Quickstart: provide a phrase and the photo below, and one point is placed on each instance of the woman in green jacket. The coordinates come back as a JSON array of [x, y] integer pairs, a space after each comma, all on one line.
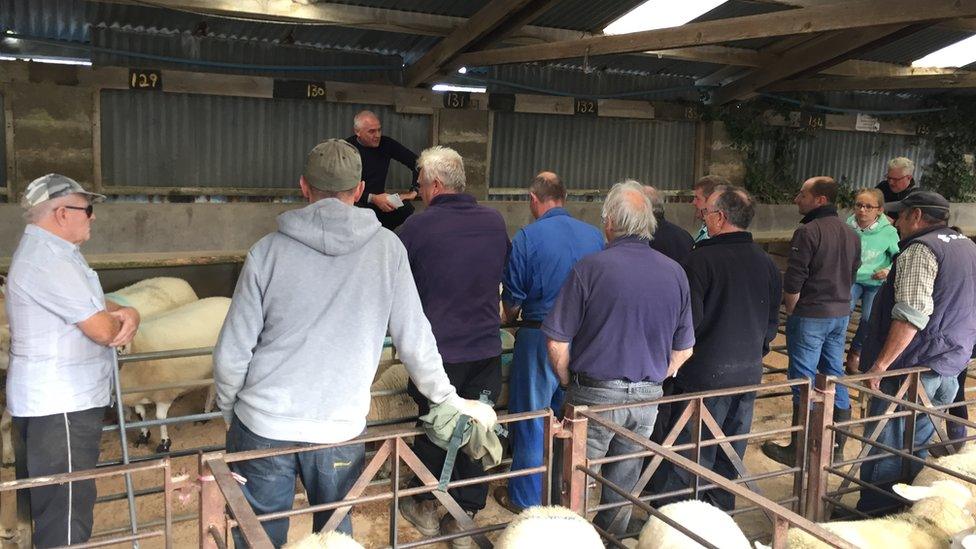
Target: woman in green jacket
[[879, 245]]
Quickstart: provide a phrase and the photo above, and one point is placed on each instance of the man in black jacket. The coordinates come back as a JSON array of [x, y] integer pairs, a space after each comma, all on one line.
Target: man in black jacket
[[669, 239], [376, 151], [735, 294]]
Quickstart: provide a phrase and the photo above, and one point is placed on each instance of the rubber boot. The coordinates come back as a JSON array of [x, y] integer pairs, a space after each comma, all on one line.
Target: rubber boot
[[840, 439], [784, 454]]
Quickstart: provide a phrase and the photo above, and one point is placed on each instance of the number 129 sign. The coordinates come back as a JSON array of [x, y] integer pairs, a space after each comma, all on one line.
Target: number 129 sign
[[145, 79]]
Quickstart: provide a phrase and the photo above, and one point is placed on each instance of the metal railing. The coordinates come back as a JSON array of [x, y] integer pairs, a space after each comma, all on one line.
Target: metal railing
[[219, 490], [910, 402]]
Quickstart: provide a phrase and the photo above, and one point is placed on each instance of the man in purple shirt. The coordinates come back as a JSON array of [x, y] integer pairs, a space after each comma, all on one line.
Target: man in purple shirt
[[621, 324], [457, 251]]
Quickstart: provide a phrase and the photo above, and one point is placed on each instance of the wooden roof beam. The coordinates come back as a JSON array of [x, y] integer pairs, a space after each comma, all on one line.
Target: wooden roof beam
[[848, 15]]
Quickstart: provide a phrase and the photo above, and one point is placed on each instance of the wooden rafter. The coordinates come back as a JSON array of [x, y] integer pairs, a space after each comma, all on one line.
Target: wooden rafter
[[943, 81], [491, 23], [820, 52], [848, 15]]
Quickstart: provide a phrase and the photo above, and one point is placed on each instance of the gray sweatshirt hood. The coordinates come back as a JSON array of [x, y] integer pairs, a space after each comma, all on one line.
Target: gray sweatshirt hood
[[330, 226]]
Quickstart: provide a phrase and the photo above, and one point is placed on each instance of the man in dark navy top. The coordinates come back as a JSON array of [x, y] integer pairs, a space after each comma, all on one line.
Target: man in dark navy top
[[621, 324], [669, 239], [376, 150], [457, 250]]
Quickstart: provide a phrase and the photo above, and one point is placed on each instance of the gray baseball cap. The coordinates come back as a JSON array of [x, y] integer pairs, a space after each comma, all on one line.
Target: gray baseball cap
[[929, 202], [333, 165], [54, 185]]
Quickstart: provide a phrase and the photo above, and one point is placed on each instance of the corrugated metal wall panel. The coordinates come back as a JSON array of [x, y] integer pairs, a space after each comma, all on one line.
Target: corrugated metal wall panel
[[175, 140], [859, 159], [3, 143], [591, 153]]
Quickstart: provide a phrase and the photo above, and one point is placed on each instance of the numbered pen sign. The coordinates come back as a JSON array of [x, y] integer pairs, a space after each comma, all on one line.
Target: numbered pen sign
[[145, 79], [298, 89], [585, 107], [457, 100]]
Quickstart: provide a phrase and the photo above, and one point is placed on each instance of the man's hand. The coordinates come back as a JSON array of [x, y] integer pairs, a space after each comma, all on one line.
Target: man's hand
[[408, 196], [129, 318], [789, 302], [878, 368], [880, 274], [382, 201]]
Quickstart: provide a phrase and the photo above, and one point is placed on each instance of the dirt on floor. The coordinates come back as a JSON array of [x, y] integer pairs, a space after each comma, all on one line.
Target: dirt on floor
[[370, 522]]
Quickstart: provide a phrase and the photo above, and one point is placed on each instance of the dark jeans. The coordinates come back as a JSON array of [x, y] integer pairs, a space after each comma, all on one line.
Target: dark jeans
[[886, 472], [327, 476], [865, 294], [733, 413], [601, 442], [471, 379], [61, 443], [955, 429]]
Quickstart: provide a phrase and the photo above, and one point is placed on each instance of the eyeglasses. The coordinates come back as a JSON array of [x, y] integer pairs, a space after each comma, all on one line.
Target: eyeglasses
[[89, 209], [869, 207], [706, 211]]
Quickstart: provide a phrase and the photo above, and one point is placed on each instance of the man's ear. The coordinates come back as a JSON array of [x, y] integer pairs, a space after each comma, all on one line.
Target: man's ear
[[359, 190], [303, 185]]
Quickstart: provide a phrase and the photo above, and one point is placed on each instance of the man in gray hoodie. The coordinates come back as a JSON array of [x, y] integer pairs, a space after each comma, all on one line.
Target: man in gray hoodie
[[302, 341]]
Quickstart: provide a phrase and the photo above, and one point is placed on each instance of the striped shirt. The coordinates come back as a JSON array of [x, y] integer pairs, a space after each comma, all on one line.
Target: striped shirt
[[54, 367]]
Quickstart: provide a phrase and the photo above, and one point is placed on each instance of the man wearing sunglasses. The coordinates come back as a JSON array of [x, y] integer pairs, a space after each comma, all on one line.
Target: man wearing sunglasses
[[899, 182], [62, 334]]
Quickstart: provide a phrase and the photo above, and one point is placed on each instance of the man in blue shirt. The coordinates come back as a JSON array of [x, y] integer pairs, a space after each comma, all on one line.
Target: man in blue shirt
[[543, 252], [621, 324]]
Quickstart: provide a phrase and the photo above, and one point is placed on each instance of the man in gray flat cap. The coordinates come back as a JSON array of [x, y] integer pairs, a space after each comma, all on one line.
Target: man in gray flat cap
[[303, 337], [62, 334]]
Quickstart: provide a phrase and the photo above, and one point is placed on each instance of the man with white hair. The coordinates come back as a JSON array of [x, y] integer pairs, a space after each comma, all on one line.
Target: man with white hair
[[62, 333], [621, 324], [301, 343], [376, 150], [457, 250], [900, 180]]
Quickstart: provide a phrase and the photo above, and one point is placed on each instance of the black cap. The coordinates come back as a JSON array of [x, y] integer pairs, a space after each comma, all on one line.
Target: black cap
[[931, 203]]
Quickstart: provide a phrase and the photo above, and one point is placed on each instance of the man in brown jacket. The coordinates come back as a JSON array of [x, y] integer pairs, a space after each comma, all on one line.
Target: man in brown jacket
[[824, 257]]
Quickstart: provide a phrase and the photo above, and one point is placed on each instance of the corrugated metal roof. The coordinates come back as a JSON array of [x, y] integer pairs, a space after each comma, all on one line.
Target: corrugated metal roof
[[585, 15], [591, 153], [174, 140], [915, 46], [858, 159], [53, 19]]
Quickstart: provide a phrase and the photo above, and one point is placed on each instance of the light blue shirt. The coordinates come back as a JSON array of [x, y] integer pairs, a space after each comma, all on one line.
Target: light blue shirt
[[54, 367], [542, 255]]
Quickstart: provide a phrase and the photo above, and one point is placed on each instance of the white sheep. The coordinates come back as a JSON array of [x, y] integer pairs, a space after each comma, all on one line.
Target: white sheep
[[553, 526], [705, 520], [940, 512], [195, 324], [963, 462], [325, 540], [153, 296]]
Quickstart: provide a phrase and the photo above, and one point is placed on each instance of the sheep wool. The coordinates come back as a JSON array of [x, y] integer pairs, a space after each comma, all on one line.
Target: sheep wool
[[963, 461], [705, 520], [325, 540], [153, 296], [552, 526]]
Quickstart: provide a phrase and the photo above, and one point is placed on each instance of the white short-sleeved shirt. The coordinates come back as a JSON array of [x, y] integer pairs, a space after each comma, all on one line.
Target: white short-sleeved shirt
[[54, 367]]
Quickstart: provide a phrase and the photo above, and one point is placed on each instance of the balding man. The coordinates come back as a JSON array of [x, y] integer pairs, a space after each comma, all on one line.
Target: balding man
[[62, 333], [376, 151], [669, 239], [899, 181], [620, 325], [543, 252], [825, 254]]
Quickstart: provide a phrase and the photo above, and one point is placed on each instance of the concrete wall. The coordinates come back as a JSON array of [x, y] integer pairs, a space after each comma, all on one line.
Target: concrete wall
[[467, 132], [131, 228]]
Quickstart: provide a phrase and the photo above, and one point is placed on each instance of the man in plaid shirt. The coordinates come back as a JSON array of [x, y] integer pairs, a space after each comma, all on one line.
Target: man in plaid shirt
[[922, 316]]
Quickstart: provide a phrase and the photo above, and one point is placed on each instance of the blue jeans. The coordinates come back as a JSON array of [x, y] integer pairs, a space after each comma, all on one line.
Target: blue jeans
[[327, 476], [866, 294], [601, 441], [532, 385], [817, 345], [888, 471], [733, 413]]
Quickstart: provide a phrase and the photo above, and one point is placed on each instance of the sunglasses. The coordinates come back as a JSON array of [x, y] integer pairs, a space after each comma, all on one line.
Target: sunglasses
[[89, 209]]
